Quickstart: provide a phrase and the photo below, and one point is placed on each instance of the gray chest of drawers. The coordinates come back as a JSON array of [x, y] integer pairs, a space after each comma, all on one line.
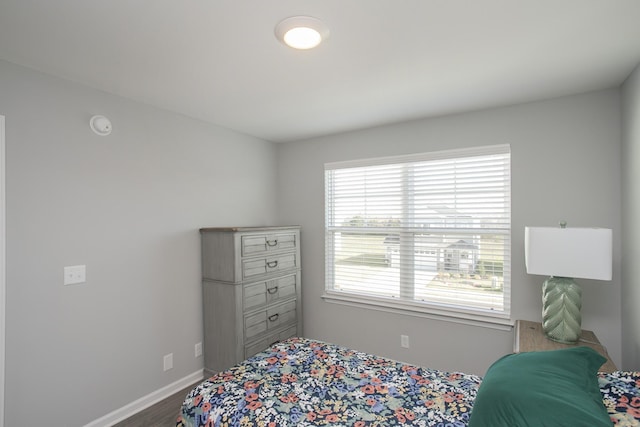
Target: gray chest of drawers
[[251, 291]]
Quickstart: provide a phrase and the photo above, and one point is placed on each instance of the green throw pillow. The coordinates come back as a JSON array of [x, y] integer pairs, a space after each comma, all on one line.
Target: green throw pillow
[[542, 388]]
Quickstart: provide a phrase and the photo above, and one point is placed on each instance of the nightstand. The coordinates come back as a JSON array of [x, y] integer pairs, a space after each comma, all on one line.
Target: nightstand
[[530, 337]]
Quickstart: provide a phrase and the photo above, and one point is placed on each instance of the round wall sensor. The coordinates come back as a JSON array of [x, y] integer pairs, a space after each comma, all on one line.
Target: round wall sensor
[[100, 125]]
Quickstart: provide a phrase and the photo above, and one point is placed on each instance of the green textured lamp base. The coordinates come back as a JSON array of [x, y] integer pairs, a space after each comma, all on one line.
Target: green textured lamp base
[[561, 304]]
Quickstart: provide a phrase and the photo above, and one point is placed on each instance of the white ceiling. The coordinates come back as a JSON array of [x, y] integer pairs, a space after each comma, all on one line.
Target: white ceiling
[[385, 60]]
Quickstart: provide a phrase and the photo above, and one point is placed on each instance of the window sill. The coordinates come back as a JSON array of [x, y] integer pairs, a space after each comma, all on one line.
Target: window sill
[[493, 321]]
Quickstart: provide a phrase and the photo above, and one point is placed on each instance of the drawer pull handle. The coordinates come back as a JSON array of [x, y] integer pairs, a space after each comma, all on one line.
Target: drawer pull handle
[[272, 290], [272, 242], [274, 317], [272, 264]]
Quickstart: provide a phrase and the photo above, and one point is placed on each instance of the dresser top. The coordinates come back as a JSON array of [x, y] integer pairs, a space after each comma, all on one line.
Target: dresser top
[[262, 228]]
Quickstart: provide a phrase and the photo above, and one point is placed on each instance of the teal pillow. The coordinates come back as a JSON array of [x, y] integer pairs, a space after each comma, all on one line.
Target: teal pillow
[[542, 388]]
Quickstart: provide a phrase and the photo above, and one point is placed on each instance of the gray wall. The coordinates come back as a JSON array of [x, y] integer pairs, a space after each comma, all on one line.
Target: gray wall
[[128, 206], [565, 165], [630, 225]]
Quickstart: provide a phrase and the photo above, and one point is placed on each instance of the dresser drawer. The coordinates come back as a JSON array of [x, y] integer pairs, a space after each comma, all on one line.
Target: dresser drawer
[[268, 341], [259, 294], [255, 244], [269, 319], [267, 265]]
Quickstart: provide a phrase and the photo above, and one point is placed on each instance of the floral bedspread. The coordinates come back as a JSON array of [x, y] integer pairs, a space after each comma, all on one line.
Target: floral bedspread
[[621, 396], [309, 383], [304, 382]]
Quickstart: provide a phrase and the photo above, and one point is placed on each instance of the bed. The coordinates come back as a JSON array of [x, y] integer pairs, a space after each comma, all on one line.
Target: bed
[[311, 383]]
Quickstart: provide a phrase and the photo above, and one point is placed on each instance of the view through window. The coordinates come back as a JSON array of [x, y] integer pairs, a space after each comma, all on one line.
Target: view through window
[[427, 230]]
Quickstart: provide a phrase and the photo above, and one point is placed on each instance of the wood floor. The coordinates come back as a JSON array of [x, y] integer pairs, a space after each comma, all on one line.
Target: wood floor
[[162, 414]]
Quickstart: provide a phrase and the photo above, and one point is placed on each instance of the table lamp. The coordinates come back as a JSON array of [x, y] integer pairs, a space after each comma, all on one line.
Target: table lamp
[[564, 254]]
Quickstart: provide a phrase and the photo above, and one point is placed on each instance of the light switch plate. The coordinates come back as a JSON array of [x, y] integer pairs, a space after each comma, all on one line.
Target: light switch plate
[[75, 274]]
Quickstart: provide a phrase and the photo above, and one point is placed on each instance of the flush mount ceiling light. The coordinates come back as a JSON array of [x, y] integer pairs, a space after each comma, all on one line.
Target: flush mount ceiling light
[[301, 32]]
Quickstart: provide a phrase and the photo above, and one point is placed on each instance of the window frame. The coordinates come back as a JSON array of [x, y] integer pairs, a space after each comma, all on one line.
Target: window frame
[[455, 313]]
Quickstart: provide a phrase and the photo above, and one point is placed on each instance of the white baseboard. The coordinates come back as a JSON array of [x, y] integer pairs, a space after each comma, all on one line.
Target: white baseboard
[[146, 401]]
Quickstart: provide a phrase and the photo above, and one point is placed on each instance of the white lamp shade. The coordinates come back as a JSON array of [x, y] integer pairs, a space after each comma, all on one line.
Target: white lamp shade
[[584, 253]]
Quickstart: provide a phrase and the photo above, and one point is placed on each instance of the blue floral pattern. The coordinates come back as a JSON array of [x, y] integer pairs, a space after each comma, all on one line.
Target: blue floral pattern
[[621, 396], [304, 382]]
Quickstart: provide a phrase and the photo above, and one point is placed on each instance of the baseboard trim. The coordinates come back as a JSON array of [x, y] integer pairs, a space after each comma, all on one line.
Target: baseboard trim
[[146, 401]]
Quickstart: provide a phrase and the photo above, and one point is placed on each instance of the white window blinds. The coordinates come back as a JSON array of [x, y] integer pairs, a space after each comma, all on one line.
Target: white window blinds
[[425, 231]]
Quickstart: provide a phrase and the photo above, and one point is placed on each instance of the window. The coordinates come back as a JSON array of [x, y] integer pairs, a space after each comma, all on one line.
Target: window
[[426, 233]]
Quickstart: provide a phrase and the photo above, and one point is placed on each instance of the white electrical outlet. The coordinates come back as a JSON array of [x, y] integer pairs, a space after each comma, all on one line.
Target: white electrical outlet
[[404, 341], [75, 274], [168, 361], [198, 349]]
